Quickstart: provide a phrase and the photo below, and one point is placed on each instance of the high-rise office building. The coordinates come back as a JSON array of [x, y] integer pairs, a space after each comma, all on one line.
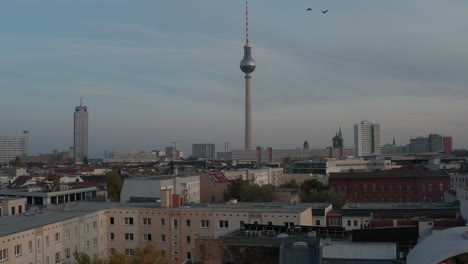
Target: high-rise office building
[[366, 139], [80, 132], [13, 147], [434, 143], [203, 151]]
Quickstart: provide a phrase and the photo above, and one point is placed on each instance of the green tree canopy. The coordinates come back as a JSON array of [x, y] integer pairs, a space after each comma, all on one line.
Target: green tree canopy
[[146, 255], [243, 191], [114, 185], [312, 185], [290, 184]]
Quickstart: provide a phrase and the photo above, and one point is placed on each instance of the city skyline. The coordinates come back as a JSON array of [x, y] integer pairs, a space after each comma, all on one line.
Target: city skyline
[[143, 80]]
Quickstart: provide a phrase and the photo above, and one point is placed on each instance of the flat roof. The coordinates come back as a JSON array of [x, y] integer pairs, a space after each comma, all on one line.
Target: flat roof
[[359, 251], [401, 206], [390, 174]]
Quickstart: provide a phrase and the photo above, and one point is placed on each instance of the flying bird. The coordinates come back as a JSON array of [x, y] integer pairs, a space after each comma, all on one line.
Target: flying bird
[[324, 11], [309, 9]]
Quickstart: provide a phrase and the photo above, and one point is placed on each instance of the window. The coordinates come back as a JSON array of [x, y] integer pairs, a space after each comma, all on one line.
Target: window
[[382, 187], [339, 188], [317, 222], [374, 187], [39, 245], [3, 254], [67, 253], [47, 260], [94, 224], [112, 251], [146, 221], [128, 252], [423, 187], [47, 241], [188, 239], [17, 250], [391, 187], [335, 221], [366, 188], [356, 194], [175, 223], [112, 236], [57, 257], [95, 242], [57, 237], [87, 228], [391, 199], [20, 209], [383, 199], [349, 222], [441, 187], [346, 188], [374, 199], [128, 236], [163, 221], [163, 238], [365, 199], [13, 210], [205, 223], [188, 222], [189, 255], [67, 234], [146, 237], [400, 187], [408, 187], [223, 224], [430, 187], [400, 199], [112, 220], [128, 220], [441, 198], [30, 246], [355, 222], [87, 244]]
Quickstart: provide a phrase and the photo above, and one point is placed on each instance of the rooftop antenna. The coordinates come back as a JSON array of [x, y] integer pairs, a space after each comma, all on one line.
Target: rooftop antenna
[[246, 22], [81, 101]]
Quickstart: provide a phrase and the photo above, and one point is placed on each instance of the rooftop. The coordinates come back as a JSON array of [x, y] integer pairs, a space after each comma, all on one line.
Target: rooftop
[[390, 174]]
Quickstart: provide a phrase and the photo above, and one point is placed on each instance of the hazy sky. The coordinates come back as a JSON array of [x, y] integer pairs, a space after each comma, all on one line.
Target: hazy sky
[[155, 71]]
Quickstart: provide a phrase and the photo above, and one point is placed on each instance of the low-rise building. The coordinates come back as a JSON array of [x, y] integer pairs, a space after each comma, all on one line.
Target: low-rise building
[[333, 165]]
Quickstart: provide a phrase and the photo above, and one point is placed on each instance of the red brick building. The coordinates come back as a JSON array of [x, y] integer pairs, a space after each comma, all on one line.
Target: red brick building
[[392, 186]]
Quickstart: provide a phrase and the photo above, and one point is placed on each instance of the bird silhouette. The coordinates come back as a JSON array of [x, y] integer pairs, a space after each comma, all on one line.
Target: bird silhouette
[[324, 11], [309, 9]]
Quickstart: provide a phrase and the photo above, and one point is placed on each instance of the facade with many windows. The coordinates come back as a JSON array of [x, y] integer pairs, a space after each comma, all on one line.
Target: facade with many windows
[[101, 229], [392, 186]]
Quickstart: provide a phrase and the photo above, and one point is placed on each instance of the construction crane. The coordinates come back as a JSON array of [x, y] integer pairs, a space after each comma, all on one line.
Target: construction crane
[[174, 151]]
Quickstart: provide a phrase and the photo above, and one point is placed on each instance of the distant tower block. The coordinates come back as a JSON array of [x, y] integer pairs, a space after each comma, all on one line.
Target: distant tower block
[[80, 132], [247, 66]]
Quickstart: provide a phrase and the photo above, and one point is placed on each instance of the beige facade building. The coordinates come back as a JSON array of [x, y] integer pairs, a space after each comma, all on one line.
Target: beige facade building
[[101, 229]]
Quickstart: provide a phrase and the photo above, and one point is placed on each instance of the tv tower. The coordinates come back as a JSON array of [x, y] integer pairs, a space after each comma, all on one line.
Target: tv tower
[[247, 66]]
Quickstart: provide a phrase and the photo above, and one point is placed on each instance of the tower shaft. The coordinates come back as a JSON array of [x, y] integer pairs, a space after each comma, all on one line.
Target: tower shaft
[[248, 113]]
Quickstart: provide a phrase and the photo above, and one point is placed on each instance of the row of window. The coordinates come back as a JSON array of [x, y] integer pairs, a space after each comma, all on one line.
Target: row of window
[[131, 252], [400, 199], [401, 187], [175, 222], [18, 252], [149, 237]]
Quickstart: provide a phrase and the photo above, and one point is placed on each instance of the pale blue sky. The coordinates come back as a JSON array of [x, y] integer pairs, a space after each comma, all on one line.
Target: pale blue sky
[[155, 71]]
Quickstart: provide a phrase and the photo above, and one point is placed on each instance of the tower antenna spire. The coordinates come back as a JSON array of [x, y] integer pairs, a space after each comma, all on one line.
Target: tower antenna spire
[[246, 22], [81, 101]]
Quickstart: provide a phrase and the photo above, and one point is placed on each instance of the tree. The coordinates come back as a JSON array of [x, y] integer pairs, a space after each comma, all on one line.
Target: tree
[[114, 185], [290, 184], [234, 189], [312, 185], [17, 162], [146, 255], [85, 161], [337, 199], [245, 192]]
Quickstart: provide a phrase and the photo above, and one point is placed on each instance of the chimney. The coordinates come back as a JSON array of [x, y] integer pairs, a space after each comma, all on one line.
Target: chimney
[[177, 200], [166, 200]]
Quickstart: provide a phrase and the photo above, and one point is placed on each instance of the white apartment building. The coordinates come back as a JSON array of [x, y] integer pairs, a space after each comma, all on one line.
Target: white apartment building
[[12, 147], [101, 229], [333, 165], [260, 176], [366, 139], [144, 187]]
